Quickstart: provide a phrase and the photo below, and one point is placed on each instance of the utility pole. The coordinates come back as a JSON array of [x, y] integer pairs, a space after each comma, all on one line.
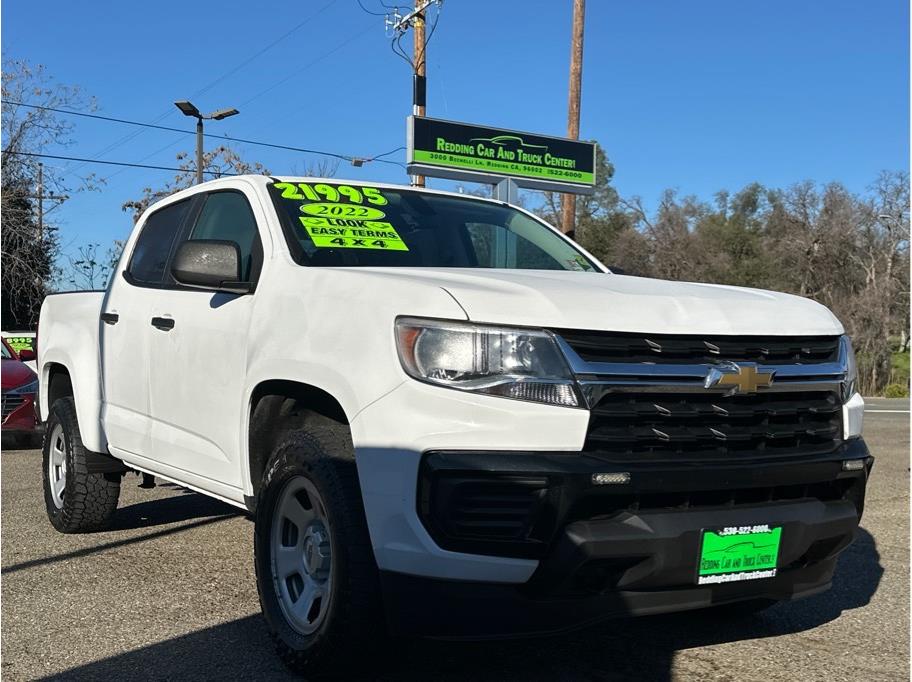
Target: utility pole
[[568, 205], [40, 202], [399, 24], [40, 196], [419, 90]]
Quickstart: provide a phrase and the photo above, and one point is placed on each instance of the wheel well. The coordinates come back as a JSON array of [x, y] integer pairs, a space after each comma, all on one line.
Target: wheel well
[[278, 407], [59, 384]]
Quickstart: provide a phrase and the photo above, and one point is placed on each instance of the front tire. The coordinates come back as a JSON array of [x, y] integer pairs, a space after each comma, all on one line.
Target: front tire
[[77, 501], [316, 574]]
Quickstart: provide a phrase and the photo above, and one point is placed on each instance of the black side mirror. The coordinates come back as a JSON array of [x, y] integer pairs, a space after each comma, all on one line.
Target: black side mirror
[[617, 271], [211, 264]]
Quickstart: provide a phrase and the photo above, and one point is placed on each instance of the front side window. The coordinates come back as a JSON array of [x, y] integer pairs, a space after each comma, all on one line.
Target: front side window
[[227, 216], [153, 246], [354, 225]]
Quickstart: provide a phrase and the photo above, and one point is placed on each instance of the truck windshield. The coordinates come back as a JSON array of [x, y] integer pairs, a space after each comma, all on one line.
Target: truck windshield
[[330, 224]]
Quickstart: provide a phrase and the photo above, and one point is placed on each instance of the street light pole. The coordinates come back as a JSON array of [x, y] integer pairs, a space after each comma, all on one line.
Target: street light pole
[[188, 109], [199, 150]]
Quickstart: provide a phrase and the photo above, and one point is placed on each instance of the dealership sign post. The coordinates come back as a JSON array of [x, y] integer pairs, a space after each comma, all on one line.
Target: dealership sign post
[[505, 158]]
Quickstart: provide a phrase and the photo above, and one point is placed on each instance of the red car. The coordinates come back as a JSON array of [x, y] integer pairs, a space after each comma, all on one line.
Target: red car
[[19, 385]]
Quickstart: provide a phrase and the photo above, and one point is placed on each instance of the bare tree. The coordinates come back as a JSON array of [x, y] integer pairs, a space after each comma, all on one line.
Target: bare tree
[[28, 248], [325, 167], [89, 269], [216, 163], [849, 252]]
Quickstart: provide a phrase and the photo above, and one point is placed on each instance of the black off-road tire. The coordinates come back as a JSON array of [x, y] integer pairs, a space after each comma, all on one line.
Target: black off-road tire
[[352, 630], [89, 500]]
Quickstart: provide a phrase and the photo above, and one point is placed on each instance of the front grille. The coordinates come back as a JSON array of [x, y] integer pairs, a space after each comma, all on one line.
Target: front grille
[[676, 426], [594, 346], [11, 403]]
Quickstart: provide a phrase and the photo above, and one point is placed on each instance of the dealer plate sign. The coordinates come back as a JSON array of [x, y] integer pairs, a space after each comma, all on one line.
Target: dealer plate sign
[[738, 553], [482, 154]]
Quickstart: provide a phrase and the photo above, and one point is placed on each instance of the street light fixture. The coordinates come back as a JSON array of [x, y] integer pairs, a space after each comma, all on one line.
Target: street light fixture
[[223, 113], [188, 109]]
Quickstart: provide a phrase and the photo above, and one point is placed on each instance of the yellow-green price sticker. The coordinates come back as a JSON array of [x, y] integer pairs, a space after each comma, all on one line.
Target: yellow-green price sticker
[[368, 234], [330, 210], [322, 191], [19, 343]]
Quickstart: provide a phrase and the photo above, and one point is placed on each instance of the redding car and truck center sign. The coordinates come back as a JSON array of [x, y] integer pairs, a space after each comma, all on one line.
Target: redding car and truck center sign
[[461, 151]]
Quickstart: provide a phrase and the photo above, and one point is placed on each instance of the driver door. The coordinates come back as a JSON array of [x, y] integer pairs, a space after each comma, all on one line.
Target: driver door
[[199, 356]]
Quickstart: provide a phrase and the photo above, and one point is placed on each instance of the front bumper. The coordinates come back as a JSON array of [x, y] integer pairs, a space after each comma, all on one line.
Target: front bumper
[[19, 413], [615, 550]]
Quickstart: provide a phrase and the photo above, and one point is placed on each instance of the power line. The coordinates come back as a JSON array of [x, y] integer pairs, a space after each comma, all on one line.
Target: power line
[[399, 51], [144, 158], [379, 156], [262, 51], [131, 136], [226, 138], [127, 164], [376, 14], [111, 119], [111, 163], [291, 75]]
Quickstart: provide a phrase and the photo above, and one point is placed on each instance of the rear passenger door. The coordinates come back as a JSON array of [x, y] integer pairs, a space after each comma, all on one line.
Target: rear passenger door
[[126, 331], [199, 359]]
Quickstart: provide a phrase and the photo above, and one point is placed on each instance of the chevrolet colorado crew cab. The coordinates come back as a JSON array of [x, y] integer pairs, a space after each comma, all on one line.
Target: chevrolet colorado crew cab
[[450, 420]]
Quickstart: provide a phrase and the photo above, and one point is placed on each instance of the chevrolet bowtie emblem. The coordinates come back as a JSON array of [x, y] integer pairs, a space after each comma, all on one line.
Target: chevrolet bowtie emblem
[[739, 378]]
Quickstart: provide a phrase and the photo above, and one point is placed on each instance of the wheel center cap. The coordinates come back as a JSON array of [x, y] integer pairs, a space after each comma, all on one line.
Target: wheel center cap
[[316, 553]]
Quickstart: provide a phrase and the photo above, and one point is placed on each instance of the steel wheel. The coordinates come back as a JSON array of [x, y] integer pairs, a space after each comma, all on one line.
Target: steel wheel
[[301, 555], [57, 465]]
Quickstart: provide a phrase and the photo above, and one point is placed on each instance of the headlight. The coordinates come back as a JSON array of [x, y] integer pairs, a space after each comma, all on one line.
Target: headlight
[[511, 363], [853, 404], [847, 355], [31, 387]]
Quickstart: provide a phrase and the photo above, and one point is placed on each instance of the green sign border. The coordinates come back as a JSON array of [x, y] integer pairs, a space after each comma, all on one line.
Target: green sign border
[[495, 167]]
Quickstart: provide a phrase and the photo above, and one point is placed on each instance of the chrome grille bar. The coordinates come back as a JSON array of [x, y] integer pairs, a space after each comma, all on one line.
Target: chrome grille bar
[[599, 378]]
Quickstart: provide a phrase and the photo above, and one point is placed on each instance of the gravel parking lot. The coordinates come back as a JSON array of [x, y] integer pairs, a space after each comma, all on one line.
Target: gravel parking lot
[[169, 593]]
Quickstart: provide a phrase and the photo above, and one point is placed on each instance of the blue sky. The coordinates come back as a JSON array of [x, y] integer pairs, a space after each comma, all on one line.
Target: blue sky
[[697, 96]]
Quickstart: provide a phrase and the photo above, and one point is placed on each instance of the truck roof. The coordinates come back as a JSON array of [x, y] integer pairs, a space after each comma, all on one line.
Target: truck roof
[[263, 180]]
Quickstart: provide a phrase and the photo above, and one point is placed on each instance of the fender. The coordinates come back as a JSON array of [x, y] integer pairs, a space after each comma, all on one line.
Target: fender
[[319, 376], [79, 355]]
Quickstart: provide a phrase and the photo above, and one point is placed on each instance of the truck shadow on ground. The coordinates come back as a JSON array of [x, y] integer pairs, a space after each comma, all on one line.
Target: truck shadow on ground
[[186, 506], [641, 649], [198, 510]]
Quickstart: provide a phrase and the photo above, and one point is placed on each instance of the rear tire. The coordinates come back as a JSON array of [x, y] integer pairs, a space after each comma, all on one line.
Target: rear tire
[[77, 501], [315, 568]]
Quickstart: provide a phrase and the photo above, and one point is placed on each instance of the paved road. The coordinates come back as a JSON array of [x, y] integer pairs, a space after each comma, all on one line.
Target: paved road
[[169, 594]]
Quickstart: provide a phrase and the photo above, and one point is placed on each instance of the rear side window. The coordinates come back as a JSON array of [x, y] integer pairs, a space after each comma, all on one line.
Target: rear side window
[[227, 216], [153, 247]]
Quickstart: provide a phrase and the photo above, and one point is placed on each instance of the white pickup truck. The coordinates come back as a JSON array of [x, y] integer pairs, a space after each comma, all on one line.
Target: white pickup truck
[[449, 419]]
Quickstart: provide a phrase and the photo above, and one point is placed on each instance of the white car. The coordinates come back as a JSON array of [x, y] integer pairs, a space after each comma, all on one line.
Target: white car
[[448, 418]]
